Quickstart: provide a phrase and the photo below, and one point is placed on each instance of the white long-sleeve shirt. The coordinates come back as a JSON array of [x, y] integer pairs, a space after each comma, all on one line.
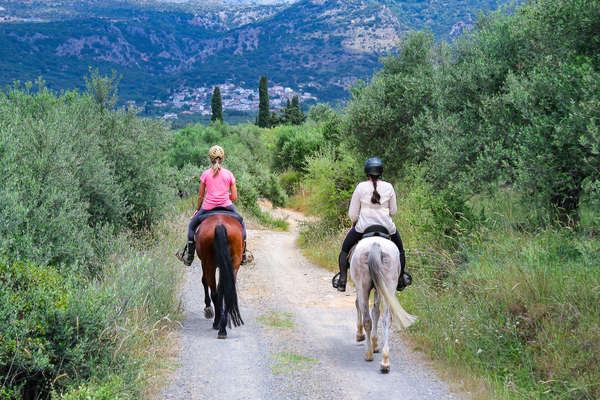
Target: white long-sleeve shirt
[[365, 213]]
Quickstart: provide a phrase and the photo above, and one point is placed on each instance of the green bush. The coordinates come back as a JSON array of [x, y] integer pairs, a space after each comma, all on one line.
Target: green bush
[[330, 183], [186, 180], [50, 329], [72, 173], [112, 389], [290, 180], [379, 117], [293, 144], [62, 332]]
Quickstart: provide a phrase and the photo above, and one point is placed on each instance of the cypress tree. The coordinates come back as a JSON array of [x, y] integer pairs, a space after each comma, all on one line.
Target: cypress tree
[[296, 117], [216, 106], [262, 119]]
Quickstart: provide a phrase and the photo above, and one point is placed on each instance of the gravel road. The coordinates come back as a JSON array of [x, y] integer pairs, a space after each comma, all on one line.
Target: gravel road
[[298, 341]]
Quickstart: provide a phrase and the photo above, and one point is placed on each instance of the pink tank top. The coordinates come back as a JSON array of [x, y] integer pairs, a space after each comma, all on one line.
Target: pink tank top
[[217, 188]]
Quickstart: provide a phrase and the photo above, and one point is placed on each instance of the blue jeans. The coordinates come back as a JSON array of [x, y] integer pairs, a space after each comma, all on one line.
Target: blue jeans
[[196, 221]]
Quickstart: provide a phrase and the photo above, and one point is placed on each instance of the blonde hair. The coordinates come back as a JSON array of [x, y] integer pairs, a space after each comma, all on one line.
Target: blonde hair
[[216, 165], [216, 155]]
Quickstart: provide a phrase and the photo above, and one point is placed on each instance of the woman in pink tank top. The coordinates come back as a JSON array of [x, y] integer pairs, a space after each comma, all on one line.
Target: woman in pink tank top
[[217, 189]]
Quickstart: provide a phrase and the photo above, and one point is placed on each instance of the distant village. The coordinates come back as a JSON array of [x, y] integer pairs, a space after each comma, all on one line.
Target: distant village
[[189, 101]]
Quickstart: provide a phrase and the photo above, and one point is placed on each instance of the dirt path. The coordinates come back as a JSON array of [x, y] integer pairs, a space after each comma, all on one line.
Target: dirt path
[[298, 341]]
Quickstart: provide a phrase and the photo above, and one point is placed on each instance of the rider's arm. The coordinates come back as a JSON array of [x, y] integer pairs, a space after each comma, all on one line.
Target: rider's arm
[[201, 195], [233, 196], [354, 210], [393, 204]]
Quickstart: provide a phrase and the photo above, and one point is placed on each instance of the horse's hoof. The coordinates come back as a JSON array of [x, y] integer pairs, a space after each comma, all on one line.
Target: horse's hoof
[[360, 338], [369, 357], [375, 344], [222, 336], [208, 313], [385, 369]]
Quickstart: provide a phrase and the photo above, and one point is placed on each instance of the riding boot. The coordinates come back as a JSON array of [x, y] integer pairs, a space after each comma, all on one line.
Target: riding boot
[[343, 263], [187, 255], [404, 279]]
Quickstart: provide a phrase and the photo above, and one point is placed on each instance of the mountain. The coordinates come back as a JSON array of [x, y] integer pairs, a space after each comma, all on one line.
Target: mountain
[[321, 45]]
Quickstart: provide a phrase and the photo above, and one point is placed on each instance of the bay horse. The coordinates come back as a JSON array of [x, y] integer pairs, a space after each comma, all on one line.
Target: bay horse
[[375, 263], [219, 244]]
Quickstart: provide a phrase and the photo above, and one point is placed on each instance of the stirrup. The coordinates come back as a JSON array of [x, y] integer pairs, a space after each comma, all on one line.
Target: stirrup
[[335, 282], [404, 281], [181, 254]]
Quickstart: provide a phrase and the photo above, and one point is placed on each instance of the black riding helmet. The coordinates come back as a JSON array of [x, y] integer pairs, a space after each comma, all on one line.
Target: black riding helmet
[[374, 166]]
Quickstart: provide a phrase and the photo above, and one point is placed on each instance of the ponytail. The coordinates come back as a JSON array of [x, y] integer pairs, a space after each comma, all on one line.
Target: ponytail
[[216, 166], [376, 197]]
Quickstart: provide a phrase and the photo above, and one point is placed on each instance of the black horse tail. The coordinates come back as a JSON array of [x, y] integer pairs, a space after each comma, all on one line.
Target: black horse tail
[[226, 288]]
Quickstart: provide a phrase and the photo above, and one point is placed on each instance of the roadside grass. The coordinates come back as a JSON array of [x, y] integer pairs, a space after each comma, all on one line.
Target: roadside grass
[[269, 221], [285, 363], [513, 300], [300, 201], [143, 280], [278, 320], [321, 244]]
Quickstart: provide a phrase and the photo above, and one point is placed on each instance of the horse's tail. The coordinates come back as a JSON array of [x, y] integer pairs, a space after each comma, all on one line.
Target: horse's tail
[[374, 262], [226, 278]]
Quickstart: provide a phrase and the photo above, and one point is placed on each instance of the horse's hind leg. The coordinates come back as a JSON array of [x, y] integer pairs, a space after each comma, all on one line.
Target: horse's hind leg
[[360, 334], [222, 320], [375, 313], [208, 311], [363, 302], [218, 307], [387, 322]]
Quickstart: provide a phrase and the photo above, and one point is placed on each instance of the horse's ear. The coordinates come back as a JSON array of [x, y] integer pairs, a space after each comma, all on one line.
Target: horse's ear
[[364, 257]]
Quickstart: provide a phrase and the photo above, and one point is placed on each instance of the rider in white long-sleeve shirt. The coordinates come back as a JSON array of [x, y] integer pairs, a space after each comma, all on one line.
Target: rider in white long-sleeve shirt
[[373, 203]]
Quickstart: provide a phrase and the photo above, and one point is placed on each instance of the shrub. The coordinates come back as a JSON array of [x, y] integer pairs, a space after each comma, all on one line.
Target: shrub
[[290, 180], [72, 173], [63, 332], [331, 183], [50, 329], [294, 144]]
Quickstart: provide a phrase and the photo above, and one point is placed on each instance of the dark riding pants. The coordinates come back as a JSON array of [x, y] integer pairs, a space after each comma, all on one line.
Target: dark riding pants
[[196, 221], [353, 237]]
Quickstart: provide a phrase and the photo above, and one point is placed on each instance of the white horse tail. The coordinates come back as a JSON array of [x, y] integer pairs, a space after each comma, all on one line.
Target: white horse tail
[[374, 262]]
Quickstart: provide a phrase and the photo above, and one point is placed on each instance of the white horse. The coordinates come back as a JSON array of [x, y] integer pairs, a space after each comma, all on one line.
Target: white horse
[[376, 262]]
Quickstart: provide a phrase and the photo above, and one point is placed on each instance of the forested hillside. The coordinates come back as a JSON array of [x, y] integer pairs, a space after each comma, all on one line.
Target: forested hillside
[[323, 46]]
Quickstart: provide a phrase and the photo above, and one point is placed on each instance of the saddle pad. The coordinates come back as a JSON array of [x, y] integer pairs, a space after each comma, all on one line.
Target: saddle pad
[[219, 211]]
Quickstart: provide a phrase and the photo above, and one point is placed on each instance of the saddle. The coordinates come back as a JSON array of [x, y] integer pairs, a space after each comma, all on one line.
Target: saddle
[[219, 211], [377, 230], [373, 230]]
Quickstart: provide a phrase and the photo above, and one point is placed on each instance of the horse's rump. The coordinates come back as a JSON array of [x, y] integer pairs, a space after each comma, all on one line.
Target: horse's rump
[[205, 237], [219, 244], [379, 259]]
